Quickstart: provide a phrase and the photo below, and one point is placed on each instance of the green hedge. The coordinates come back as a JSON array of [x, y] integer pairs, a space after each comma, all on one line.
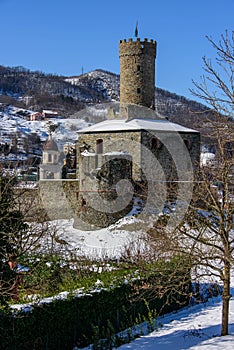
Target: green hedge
[[82, 320]]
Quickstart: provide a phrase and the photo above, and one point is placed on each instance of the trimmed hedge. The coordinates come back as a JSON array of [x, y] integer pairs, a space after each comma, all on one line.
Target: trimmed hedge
[[82, 320]]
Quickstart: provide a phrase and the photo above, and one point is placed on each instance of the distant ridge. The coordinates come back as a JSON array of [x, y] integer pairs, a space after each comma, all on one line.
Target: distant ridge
[[68, 95]]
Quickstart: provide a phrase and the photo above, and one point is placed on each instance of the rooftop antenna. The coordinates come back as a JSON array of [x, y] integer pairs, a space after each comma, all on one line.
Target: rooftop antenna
[[82, 70], [136, 30]]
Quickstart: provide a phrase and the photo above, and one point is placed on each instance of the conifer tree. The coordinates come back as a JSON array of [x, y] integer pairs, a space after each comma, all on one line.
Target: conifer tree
[[11, 219]]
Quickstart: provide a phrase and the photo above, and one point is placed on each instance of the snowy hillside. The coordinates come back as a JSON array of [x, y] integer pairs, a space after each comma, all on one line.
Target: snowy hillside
[[15, 120], [66, 131], [21, 138], [106, 83], [68, 95]]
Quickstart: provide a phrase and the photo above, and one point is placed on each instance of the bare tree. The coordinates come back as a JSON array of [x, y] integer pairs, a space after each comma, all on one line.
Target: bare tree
[[209, 230], [206, 233], [217, 83]]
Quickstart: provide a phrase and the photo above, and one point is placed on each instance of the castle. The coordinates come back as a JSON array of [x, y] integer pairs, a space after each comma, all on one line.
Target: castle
[[134, 150]]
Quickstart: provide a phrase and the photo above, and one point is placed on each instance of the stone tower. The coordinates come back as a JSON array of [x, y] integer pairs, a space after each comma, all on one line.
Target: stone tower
[[137, 72]]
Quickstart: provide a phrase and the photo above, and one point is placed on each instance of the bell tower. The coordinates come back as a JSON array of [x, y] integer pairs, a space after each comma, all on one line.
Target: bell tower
[[137, 72], [50, 167]]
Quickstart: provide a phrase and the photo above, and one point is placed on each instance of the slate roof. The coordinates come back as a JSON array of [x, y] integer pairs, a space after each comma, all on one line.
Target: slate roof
[[50, 145]]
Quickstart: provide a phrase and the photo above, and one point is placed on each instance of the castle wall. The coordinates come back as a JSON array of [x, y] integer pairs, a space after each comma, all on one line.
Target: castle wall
[[103, 198], [58, 198], [50, 200], [172, 150], [100, 202], [129, 142], [138, 145], [169, 170]]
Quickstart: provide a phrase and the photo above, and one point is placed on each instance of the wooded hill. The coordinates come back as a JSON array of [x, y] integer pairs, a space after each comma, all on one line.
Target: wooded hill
[[37, 91]]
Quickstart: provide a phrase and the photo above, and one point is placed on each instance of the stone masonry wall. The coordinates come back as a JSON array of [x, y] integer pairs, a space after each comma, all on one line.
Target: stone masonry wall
[[50, 200], [129, 142], [59, 198], [168, 150], [137, 72]]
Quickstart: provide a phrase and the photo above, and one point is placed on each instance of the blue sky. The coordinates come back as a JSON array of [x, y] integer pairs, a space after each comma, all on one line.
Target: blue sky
[[62, 36]]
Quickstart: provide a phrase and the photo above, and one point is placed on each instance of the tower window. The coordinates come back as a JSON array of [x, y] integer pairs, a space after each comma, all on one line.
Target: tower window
[[138, 90], [138, 68], [83, 202], [49, 158], [187, 144], [155, 144], [99, 146]]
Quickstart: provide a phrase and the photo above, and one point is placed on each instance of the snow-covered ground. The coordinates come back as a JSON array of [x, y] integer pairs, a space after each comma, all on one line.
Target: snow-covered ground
[[196, 327], [110, 242]]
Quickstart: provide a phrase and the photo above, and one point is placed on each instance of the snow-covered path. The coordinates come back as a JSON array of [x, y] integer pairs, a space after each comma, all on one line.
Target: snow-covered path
[[193, 328]]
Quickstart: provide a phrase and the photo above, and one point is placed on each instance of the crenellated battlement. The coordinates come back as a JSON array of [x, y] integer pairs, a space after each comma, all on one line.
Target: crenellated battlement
[[131, 40], [135, 47]]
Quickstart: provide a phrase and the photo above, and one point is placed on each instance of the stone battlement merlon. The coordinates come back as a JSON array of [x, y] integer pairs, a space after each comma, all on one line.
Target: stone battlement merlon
[[131, 40], [131, 47]]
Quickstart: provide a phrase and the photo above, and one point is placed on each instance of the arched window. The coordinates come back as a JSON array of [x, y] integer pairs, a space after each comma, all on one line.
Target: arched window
[[99, 146]]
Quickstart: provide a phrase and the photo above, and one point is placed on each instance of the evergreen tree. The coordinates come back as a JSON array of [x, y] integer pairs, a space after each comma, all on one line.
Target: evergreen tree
[[12, 225]]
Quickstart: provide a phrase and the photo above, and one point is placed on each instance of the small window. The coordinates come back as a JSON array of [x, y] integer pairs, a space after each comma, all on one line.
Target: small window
[[138, 68], [83, 202], [99, 146], [83, 205], [49, 158], [187, 144], [138, 90], [155, 144], [49, 175]]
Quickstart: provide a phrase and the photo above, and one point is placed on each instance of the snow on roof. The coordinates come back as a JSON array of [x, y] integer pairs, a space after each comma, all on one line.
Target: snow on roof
[[49, 111], [116, 153], [135, 124]]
